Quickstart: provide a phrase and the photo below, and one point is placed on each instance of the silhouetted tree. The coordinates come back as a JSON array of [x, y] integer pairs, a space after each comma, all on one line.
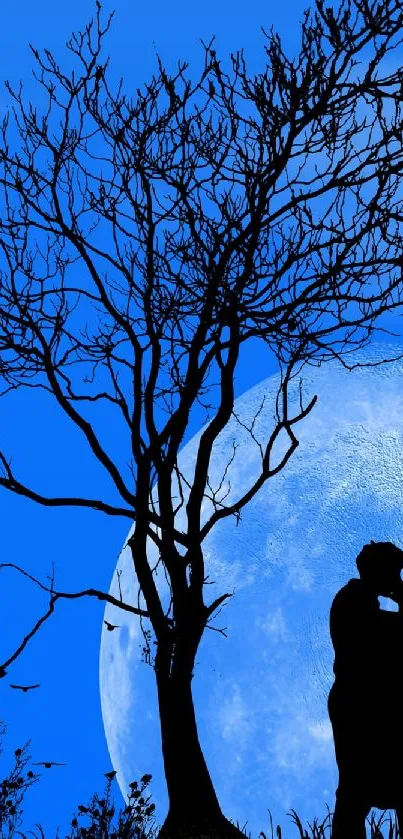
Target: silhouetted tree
[[306, 258]]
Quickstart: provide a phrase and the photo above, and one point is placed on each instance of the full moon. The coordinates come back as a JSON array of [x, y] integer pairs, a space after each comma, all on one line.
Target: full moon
[[260, 693]]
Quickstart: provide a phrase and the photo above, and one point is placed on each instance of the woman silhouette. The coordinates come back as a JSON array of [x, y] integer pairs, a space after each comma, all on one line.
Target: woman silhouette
[[365, 699]]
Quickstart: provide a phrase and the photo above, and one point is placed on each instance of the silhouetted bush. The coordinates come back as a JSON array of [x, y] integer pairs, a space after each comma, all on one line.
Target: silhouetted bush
[[96, 820], [13, 789], [100, 820]]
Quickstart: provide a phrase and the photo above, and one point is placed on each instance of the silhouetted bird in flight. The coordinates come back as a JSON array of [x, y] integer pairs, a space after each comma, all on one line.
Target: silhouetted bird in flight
[[24, 687], [110, 775], [48, 763], [110, 626]]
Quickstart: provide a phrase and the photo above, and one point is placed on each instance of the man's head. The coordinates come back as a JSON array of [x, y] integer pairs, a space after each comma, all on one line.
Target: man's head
[[379, 565]]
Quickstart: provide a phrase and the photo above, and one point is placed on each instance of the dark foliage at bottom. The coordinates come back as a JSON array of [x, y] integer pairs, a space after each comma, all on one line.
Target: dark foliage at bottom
[[99, 819]]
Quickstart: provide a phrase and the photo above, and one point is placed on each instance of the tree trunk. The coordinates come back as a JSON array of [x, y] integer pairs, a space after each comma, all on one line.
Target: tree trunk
[[194, 810]]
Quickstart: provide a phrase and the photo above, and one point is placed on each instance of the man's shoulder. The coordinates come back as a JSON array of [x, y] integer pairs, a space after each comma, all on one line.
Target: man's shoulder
[[353, 592], [353, 588]]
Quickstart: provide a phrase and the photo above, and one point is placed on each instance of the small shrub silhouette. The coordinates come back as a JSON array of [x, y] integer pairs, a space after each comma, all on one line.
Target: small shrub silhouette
[[100, 820]]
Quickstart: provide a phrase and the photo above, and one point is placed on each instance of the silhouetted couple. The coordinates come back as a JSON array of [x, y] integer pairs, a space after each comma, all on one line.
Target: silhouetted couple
[[365, 701]]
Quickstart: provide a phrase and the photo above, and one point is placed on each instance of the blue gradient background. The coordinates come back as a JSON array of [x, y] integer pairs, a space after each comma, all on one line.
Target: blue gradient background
[[63, 717]]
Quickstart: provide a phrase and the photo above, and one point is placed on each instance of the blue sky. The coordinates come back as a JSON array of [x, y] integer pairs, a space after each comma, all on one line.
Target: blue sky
[[63, 717]]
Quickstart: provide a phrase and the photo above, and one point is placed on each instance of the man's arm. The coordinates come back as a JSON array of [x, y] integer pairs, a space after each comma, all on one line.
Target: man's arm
[[397, 596], [393, 619]]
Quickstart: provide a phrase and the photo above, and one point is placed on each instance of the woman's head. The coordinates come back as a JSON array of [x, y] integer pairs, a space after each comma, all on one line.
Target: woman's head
[[379, 565]]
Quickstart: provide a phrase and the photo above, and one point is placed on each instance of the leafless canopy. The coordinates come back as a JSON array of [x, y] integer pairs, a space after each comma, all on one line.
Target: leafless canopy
[[145, 240]]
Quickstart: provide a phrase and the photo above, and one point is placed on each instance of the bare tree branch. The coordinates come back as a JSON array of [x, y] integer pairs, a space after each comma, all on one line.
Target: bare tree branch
[[144, 240], [59, 595]]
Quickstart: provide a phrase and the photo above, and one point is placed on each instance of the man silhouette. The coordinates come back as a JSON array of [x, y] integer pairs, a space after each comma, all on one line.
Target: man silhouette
[[365, 700]]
